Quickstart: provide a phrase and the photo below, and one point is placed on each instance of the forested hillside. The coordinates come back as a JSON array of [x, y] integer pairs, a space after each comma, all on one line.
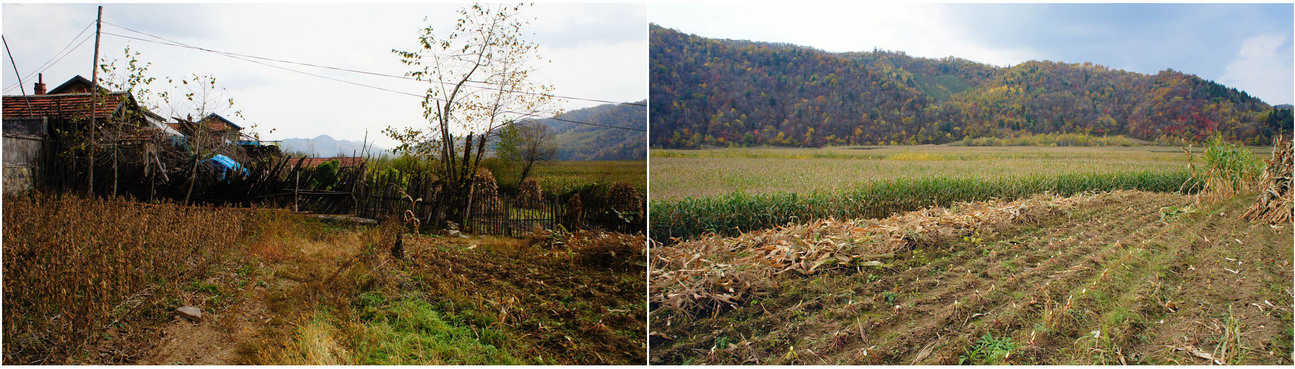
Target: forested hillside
[[741, 93], [589, 142]]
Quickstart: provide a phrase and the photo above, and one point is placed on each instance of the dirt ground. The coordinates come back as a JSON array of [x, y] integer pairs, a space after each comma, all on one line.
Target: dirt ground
[[1130, 278], [247, 301], [217, 339]]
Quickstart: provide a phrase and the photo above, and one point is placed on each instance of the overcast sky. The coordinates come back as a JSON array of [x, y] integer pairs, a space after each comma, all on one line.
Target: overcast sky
[[596, 51], [1247, 46]]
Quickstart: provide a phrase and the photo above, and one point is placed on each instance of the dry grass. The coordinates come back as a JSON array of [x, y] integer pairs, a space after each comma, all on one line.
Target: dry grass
[[616, 251]]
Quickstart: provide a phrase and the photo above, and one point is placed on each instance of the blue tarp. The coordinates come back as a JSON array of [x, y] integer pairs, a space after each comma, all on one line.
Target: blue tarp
[[224, 164]]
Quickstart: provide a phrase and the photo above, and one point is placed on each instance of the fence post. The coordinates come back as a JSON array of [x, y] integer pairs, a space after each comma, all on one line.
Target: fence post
[[553, 212]]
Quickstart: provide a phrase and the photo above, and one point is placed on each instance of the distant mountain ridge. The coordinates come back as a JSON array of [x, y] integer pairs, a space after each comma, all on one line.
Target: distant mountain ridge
[[741, 93], [575, 141], [326, 146]]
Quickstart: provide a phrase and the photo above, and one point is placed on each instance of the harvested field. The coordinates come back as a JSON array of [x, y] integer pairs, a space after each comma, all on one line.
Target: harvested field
[[1115, 278], [92, 281], [553, 299]]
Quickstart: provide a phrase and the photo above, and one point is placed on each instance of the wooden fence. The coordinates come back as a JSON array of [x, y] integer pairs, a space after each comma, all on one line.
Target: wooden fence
[[168, 172], [382, 196], [505, 215]]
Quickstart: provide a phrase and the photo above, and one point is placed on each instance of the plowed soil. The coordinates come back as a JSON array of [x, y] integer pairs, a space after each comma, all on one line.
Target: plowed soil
[[1131, 277]]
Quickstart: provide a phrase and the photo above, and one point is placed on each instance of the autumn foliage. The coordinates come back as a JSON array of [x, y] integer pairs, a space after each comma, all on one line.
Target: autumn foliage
[[710, 92]]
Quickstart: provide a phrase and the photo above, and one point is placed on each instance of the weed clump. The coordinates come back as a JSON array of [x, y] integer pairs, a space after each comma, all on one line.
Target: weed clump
[[989, 350], [1229, 170]]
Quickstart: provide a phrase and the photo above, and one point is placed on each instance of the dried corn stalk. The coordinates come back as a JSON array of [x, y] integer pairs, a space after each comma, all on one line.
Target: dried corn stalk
[[709, 274], [1274, 203]]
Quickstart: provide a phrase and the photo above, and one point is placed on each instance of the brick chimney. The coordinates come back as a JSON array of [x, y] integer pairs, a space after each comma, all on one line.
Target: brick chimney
[[40, 85]]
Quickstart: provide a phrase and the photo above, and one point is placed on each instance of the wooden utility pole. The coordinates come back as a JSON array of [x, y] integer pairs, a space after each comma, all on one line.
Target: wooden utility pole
[[24, 90], [94, 100]]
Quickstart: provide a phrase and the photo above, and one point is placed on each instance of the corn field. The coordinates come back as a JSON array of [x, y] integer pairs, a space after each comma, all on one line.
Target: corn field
[[738, 212], [73, 267]]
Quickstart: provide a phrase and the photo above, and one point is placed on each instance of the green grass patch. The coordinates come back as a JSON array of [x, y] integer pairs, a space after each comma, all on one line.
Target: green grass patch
[[412, 331], [739, 212], [401, 332]]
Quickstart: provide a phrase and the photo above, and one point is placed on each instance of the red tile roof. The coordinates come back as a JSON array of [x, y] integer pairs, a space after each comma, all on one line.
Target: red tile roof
[[61, 106], [219, 123], [343, 162]]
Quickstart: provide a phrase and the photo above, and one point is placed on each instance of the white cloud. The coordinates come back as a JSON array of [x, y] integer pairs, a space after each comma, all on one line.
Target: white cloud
[[1262, 70], [925, 30]]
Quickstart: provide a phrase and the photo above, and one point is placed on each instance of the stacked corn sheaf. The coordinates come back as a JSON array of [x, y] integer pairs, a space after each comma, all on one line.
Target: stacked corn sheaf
[[1274, 203]]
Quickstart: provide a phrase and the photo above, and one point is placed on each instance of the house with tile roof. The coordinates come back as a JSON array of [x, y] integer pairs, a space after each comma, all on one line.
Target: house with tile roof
[[217, 128], [69, 101], [56, 121]]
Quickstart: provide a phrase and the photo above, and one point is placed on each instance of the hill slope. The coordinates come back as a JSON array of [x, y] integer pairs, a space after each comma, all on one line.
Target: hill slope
[[588, 142], [726, 92]]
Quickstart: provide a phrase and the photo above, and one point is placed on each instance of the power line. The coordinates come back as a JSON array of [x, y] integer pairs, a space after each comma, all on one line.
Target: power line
[[342, 69], [15, 71], [56, 58], [248, 59], [577, 122]]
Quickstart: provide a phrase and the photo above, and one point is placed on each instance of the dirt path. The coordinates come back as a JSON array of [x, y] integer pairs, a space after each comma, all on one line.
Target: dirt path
[[216, 340], [261, 295], [1127, 279]]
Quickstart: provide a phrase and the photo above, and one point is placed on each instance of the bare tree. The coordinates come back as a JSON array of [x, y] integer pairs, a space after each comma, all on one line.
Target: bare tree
[[202, 98], [134, 80], [478, 79], [527, 144]]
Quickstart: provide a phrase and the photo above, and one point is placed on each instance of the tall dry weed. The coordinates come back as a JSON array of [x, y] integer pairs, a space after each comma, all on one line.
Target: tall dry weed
[[75, 266]]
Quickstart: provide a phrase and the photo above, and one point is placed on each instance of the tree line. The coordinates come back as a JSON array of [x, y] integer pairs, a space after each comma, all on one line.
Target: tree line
[[710, 92]]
